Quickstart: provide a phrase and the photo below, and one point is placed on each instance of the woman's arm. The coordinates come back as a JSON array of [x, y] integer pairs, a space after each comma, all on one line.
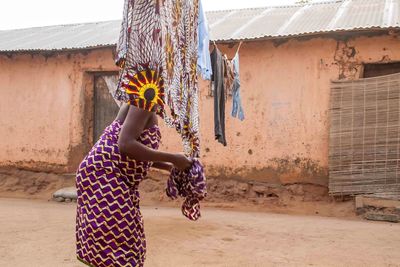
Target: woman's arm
[[165, 166], [134, 124]]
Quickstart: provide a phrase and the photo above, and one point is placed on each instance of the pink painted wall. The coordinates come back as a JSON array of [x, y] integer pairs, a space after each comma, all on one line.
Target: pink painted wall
[[42, 106], [45, 106]]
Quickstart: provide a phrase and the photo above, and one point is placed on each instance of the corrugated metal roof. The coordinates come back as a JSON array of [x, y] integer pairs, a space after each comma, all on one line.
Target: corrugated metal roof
[[61, 37], [323, 17], [228, 25]]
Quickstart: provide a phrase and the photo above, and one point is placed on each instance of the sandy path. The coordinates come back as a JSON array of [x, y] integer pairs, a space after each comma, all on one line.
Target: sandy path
[[39, 233]]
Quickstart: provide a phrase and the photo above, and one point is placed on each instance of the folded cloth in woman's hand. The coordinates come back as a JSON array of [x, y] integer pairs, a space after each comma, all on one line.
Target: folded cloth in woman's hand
[[190, 184]]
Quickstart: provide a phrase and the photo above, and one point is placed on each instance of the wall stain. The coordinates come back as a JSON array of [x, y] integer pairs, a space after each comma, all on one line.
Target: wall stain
[[35, 166], [75, 156], [345, 59], [385, 59], [282, 171]]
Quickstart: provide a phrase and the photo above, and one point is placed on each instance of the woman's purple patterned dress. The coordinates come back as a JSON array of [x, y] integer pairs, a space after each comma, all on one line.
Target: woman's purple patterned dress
[[109, 225]]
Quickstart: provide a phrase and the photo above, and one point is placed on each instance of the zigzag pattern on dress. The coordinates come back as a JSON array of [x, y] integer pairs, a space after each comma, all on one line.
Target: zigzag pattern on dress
[[109, 225]]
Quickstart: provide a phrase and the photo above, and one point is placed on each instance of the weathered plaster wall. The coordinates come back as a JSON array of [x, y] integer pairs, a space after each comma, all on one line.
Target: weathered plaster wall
[[286, 94], [43, 104], [46, 108]]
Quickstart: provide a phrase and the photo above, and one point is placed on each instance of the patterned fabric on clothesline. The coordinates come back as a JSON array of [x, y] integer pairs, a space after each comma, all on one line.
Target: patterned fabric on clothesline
[[157, 53]]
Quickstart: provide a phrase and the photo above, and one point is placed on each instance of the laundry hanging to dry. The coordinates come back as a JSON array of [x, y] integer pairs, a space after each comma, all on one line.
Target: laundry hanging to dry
[[225, 82]]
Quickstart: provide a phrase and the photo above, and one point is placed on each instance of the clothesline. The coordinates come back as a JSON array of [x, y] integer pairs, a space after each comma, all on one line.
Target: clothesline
[[225, 81], [237, 50], [224, 77]]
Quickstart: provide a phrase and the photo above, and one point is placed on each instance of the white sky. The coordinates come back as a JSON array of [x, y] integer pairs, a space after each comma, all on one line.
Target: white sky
[[15, 14]]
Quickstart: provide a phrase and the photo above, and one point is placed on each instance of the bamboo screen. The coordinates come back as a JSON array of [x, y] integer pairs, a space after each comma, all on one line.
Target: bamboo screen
[[365, 137]]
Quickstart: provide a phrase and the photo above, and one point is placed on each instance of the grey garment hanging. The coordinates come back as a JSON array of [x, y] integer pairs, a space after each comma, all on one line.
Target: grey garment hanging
[[237, 108], [217, 64]]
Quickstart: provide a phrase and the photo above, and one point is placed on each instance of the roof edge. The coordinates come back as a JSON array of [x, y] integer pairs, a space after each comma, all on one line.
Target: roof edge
[[57, 50], [361, 32]]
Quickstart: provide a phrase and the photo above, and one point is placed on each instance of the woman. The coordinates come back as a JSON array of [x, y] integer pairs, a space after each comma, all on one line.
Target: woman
[[109, 223], [157, 53]]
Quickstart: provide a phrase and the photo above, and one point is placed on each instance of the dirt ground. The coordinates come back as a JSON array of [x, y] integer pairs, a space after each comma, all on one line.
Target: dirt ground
[[243, 224], [226, 194], [41, 233]]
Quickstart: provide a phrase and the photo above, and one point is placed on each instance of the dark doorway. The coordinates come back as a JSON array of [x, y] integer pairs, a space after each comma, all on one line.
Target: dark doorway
[[105, 107]]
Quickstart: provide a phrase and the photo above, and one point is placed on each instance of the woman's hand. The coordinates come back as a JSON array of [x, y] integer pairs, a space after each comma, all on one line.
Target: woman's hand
[[181, 162]]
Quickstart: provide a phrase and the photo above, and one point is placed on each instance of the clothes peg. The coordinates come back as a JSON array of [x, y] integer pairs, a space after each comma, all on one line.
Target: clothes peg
[[240, 45]]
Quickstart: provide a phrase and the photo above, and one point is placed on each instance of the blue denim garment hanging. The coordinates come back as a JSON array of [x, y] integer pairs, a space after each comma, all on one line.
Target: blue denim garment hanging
[[237, 109]]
